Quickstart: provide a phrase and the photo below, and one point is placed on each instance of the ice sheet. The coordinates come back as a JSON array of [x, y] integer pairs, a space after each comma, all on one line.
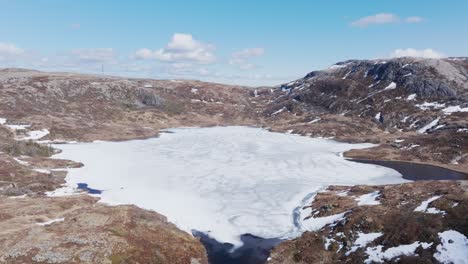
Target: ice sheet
[[225, 181]]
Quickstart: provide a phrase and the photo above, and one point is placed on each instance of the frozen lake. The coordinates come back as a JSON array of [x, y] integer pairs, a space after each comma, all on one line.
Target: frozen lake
[[223, 181]]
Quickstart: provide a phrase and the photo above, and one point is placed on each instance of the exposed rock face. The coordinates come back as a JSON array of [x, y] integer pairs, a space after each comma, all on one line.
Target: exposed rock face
[[149, 98], [421, 103], [396, 217], [393, 92]]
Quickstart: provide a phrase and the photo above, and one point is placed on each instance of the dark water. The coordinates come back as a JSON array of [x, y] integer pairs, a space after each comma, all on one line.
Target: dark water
[[417, 172], [256, 250], [84, 186]]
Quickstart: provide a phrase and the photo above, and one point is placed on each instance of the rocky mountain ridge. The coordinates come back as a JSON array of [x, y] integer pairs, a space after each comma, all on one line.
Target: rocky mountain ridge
[[405, 93]]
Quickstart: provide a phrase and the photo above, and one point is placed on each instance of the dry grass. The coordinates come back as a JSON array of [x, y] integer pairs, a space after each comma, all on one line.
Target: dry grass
[[28, 148]]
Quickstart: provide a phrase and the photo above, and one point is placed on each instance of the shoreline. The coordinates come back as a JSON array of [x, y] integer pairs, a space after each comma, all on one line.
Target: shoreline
[[222, 246], [439, 165]]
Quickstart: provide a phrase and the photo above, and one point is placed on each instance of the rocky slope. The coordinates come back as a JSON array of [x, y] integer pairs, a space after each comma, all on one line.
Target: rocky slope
[[75, 229], [407, 223], [89, 107], [418, 107]]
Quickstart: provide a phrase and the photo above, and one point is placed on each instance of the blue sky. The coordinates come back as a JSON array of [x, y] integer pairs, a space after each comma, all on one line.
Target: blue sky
[[242, 42]]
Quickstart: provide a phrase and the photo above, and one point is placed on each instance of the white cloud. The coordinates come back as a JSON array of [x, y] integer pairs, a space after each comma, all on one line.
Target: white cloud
[[241, 58], [8, 50], [248, 53], [96, 55], [414, 19], [424, 53], [75, 26], [385, 18], [181, 48], [382, 18]]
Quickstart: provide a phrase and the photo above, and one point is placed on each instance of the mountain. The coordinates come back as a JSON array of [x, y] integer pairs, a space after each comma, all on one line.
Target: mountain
[[417, 109], [404, 93]]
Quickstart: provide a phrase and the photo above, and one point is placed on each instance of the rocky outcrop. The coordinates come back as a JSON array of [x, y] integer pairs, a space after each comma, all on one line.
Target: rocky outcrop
[[75, 229], [392, 224], [404, 93]]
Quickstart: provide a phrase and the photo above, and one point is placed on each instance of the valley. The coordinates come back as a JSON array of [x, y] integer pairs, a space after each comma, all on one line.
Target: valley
[[58, 130]]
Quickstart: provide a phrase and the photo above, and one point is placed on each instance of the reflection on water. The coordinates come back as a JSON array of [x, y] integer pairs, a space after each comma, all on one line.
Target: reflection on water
[[255, 250], [84, 187]]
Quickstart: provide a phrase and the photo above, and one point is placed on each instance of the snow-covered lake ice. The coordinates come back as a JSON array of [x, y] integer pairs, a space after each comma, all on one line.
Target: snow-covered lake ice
[[224, 181]]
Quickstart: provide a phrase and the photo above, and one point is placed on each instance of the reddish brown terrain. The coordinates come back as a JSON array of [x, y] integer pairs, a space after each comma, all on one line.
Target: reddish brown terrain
[[394, 217], [420, 118]]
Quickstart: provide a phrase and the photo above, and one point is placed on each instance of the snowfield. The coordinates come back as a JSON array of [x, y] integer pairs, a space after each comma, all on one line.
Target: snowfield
[[224, 181]]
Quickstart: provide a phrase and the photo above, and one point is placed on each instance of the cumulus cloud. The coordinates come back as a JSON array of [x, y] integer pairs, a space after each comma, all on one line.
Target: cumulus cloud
[[95, 55], [384, 18], [8, 50], [241, 58], [181, 48], [424, 53]]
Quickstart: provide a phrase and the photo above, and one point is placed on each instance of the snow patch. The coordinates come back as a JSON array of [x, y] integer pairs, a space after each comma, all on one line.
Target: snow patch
[[434, 210], [378, 116], [317, 223], [429, 126], [404, 119], [411, 97], [453, 249], [412, 146], [279, 111], [362, 241], [314, 121], [18, 127], [45, 171], [391, 86], [425, 204], [454, 109], [374, 84], [343, 193], [377, 255], [36, 134], [24, 163], [368, 199], [347, 74], [51, 222], [338, 66], [428, 106]]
